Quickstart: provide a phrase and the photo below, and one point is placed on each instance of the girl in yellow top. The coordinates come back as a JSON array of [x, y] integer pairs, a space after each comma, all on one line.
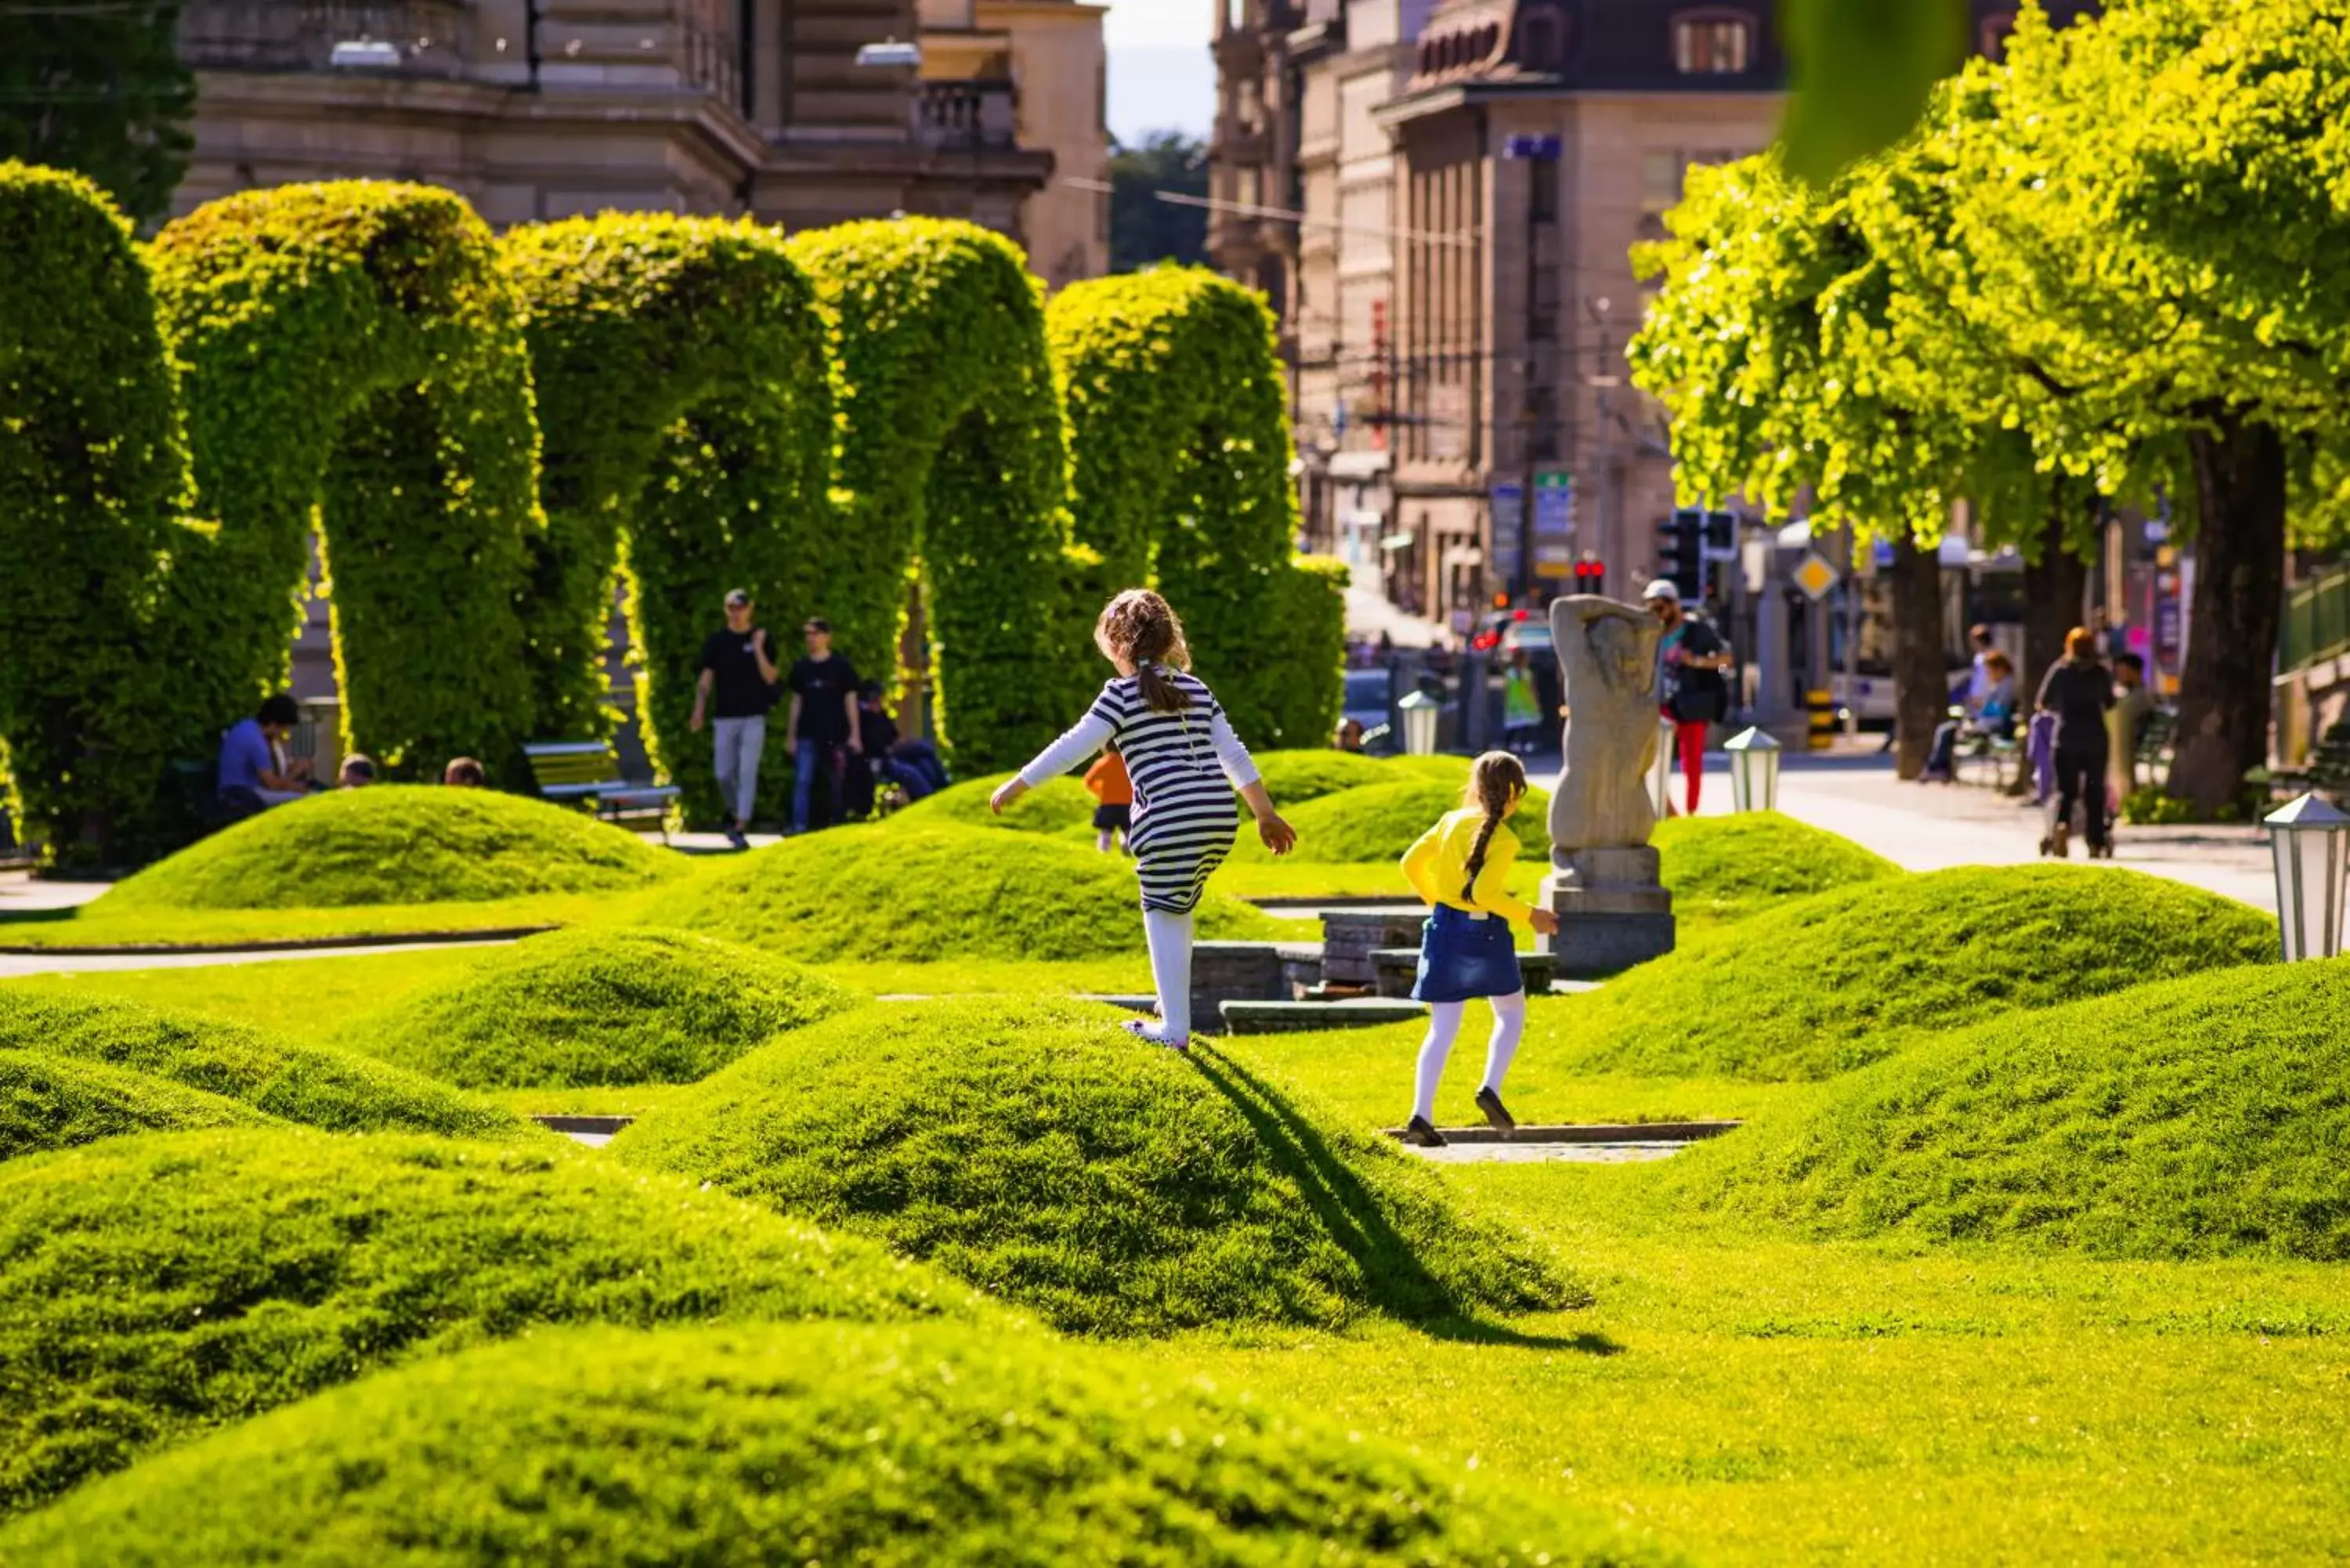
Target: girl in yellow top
[[1461, 867]]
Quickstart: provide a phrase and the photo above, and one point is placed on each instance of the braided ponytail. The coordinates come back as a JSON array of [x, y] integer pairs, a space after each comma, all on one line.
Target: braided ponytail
[[1497, 780], [1139, 629]]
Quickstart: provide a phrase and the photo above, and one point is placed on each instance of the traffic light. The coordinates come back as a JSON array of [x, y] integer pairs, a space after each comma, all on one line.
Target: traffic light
[[1680, 553], [1721, 536], [1590, 575]]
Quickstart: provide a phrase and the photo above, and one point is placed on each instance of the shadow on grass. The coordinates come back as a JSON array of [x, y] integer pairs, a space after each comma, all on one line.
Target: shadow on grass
[[1399, 1283]]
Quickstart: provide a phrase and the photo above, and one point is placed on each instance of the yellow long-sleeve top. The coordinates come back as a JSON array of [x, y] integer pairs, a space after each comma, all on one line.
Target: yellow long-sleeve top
[[1438, 867]]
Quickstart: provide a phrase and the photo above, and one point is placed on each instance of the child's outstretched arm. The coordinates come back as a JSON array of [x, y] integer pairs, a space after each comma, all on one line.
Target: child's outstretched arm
[[1241, 768], [1081, 739]]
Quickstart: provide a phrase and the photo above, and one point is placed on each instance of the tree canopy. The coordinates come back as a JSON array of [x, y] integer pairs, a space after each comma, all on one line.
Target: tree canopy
[[98, 87]]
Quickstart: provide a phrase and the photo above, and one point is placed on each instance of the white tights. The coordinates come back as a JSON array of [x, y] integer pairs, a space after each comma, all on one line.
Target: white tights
[[1170, 970], [1444, 1027]]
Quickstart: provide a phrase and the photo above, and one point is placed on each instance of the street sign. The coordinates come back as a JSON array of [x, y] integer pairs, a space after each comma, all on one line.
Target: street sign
[[1554, 522], [1815, 577], [1505, 505], [1542, 149]]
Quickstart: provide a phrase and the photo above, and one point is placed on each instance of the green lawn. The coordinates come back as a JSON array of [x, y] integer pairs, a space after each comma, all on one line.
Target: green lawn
[[97, 925]]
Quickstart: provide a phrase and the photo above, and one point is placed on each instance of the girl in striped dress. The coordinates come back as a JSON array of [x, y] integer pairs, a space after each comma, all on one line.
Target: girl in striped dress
[[1185, 762]]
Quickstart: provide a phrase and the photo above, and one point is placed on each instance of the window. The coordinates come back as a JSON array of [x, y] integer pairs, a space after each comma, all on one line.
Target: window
[[1660, 180], [1712, 45], [1542, 193], [1542, 317]]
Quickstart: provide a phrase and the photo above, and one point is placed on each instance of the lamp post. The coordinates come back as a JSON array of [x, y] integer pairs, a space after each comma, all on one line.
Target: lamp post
[[2311, 843], [1420, 713], [1754, 770], [1660, 777]]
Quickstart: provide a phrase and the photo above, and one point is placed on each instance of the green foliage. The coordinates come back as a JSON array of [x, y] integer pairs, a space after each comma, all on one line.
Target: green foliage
[[879, 892], [581, 1008], [99, 87], [90, 473], [1144, 230], [320, 1088], [1378, 822], [163, 1284], [1728, 868], [391, 844], [1056, 805], [951, 449], [1294, 777], [56, 1102], [1838, 980], [1863, 70], [682, 377], [351, 353], [1035, 1150], [816, 1443], [1180, 446], [2202, 1118]]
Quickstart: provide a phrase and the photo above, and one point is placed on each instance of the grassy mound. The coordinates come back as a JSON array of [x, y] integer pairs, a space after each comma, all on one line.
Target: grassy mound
[[160, 1284], [1836, 980], [322, 1088], [395, 844], [1296, 777], [887, 892], [814, 1443], [585, 1008], [1058, 805], [1037, 1151], [2196, 1117], [1728, 868], [54, 1102], [1377, 824]]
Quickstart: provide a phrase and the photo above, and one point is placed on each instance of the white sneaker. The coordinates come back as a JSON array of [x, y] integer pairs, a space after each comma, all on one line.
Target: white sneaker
[[1154, 1033]]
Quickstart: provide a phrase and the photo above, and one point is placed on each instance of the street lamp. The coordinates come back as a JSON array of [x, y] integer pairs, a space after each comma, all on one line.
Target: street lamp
[[1754, 770], [1419, 713], [1660, 777], [2311, 843]]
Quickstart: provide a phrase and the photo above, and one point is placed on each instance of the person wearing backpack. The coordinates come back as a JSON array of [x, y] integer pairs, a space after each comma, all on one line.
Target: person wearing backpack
[[1693, 693]]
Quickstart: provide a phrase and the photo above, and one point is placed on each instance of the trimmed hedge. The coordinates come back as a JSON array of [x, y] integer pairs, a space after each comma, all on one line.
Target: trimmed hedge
[[581, 1008], [879, 892], [952, 449], [162, 1284], [56, 1102], [92, 470], [320, 1088], [1180, 449], [1728, 868], [815, 1443], [682, 376], [391, 844], [1037, 1151], [352, 352]]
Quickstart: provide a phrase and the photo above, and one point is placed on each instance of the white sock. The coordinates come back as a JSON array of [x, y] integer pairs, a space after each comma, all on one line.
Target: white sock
[[1171, 970], [1509, 1026], [1443, 1025]]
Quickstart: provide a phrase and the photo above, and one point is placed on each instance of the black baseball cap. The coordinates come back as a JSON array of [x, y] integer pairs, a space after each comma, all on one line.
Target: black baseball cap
[[737, 597]]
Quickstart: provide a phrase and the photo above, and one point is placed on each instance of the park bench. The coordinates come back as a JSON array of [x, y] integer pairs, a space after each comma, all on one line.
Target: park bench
[[2328, 769], [2004, 753], [586, 774]]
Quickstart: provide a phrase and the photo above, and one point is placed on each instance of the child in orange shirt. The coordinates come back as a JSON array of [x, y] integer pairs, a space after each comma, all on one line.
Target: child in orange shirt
[[1114, 817]]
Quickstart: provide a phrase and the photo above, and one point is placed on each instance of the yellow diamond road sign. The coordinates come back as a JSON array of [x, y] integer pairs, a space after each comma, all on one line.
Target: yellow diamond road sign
[[1815, 577]]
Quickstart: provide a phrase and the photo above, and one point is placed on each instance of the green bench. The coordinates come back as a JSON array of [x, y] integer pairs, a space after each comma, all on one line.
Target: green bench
[[586, 774], [2327, 770]]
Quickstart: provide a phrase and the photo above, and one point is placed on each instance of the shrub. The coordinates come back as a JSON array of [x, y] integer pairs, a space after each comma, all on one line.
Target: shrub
[[1038, 1152], [1378, 822], [56, 1102], [2195, 1117], [878, 892], [161, 1284], [391, 844], [302, 1083], [1727, 867], [573, 1008], [815, 1443], [354, 359], [1835, 980], [1057, 806], [1294, 777], [92, 471]]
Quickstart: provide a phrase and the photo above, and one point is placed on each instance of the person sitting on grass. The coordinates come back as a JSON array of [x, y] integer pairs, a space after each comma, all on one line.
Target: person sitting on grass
[[1173, 735], [253, 774], [1113, 815], [357, 773], [1461, 867], [464, 773]]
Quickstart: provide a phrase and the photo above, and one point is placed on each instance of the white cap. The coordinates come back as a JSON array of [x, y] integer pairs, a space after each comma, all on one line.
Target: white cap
[[1662, 588]]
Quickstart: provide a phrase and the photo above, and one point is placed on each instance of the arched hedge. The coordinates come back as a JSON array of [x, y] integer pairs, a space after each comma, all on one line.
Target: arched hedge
[[92, 470], [684, 388], [1180, 454], [353, 352], [951, 449]]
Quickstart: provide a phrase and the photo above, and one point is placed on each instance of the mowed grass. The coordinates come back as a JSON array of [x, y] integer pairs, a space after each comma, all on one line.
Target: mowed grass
[[101, 925]]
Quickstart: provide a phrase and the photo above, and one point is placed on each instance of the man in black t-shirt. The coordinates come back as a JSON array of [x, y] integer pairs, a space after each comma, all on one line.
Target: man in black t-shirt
[[822, 730], [738, 680]]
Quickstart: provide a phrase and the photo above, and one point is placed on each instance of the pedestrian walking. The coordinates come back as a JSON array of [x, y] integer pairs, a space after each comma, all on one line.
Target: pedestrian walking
[[1691, 692], [1113, 795], [1521, 710], [736, 687], [823, 730], [1461, 868], [2077, 691], [1185, 761]]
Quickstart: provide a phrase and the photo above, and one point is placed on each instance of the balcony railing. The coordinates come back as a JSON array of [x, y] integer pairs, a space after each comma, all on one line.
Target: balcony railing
[[301, 35], [967, 114]]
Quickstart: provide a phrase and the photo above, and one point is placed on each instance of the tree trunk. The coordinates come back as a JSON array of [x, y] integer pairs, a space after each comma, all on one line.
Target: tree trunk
[[2223, 692], [1921, 681]]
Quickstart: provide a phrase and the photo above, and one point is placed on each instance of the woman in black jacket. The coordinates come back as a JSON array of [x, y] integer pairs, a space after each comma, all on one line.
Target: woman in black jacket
[[2078, 690]]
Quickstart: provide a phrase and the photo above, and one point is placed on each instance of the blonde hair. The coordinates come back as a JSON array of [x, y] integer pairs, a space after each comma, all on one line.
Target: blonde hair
[[1496, 781], [1139, 629], [2080, 643]]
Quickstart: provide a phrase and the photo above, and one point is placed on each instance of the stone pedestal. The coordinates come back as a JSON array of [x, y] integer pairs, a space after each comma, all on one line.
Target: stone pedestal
[[1613, 911]]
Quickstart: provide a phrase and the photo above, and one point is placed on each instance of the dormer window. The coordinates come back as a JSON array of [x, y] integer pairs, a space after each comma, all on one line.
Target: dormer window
[[1542, 38], [1715, 44]]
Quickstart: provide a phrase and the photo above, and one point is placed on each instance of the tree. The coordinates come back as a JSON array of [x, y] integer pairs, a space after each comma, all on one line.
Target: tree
[[98, 87], [1145, 230]]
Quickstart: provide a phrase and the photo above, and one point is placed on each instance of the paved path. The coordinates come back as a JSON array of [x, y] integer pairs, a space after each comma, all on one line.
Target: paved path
[[21, 892], [15, 965]]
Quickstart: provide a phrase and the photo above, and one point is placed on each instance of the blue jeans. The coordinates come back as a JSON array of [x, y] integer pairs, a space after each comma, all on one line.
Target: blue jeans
[[807, 756]]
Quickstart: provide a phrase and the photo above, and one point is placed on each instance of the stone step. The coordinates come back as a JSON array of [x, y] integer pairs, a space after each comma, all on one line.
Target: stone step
[[1394, 969], [1349, 938], [1299, 1017], [1586, 1132]]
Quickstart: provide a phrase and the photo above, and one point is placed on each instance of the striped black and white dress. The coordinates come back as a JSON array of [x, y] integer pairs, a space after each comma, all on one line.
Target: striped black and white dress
[[1185, 766]]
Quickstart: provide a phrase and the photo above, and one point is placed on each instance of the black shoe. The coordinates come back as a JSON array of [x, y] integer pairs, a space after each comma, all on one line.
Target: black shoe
[[1496, 1112], [735, 836], [1419, 1133]]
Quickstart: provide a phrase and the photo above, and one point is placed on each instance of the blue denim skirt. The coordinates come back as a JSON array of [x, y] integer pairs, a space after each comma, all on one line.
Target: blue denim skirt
[[1463, 957]]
